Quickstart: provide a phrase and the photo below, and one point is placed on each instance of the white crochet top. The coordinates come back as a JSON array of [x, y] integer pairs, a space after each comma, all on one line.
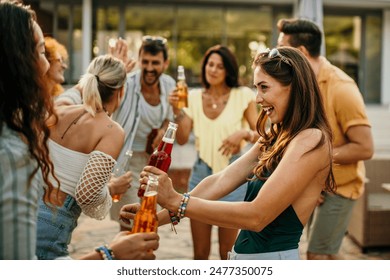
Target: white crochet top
[[84, 177]]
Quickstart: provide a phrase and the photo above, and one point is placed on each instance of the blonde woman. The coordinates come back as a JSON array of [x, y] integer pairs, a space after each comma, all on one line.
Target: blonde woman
[[84, 144]]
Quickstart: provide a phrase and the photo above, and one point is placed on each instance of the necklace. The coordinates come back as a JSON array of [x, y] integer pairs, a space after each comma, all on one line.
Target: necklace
[[221, 100], [106, 111]]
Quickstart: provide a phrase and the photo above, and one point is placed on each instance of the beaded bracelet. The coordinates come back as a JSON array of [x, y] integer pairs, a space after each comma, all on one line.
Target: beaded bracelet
[[174, 220], [183, 205], [105, 252]]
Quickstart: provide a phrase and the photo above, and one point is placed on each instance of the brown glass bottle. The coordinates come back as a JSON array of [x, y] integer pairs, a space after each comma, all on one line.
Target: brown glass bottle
[[146, 218], [161, 157], [182, 88]]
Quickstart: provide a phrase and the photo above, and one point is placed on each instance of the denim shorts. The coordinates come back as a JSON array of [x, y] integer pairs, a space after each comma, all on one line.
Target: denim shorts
[[201, 170], [55, 227], [292, 254]]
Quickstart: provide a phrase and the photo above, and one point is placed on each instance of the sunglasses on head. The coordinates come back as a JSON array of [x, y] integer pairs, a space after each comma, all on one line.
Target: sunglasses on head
[[154, 39], [275, 53]]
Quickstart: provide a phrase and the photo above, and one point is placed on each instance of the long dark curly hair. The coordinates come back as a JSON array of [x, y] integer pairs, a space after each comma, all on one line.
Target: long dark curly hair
[[25, 102], [305, 110]]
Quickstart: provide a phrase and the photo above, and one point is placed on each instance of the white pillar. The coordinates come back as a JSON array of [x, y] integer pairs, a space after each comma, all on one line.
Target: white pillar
[[312, 10], [385, 86], [87, 34]]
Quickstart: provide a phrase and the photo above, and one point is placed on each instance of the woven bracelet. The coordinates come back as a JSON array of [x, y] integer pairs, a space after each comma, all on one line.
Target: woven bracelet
[[183, 206], [174, 218], [105, 252]]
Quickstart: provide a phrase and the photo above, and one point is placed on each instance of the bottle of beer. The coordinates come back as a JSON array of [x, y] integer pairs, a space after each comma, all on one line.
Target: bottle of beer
[[161, 157], [182, 88], [120, 169], [146, 218]]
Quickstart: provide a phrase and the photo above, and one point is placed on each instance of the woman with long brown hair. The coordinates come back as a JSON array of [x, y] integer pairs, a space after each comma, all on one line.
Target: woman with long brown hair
[[24, 106], [287, 169]]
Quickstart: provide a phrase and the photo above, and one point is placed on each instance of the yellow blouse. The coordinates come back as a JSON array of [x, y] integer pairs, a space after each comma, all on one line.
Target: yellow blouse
[[209, 133]]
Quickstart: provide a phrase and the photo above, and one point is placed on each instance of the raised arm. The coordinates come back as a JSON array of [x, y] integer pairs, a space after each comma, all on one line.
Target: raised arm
[[298, 181]]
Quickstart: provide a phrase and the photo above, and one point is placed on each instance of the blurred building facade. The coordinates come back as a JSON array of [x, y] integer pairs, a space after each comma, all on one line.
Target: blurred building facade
[[357, 33]]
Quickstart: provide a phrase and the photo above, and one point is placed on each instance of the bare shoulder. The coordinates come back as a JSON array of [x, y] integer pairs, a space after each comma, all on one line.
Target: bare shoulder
[[112, 138], [112, 129], [68, 109], [308, 139], [310, 136]]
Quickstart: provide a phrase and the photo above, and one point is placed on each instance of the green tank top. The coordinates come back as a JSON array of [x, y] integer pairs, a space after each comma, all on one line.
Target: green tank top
[[281, 234]]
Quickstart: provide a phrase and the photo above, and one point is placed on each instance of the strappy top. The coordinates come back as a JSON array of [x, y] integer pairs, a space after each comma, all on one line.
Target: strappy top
[[74, 122]]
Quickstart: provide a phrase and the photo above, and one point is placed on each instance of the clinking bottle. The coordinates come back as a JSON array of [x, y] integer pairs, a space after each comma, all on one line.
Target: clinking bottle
[[146, 218], [120, 169], [161, 157], [182, 88]]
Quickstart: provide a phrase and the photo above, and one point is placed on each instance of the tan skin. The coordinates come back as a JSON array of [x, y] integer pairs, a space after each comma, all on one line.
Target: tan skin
[[360, 144], [103, 134], [56, 71], [127, 247], [138, 246], [217, 93], [117, 185], [119, 50], [40, 48], [297, 180], [215, 73], [152, 66]]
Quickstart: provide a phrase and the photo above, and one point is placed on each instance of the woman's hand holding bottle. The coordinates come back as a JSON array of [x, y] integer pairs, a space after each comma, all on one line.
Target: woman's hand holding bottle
[[119, 185]]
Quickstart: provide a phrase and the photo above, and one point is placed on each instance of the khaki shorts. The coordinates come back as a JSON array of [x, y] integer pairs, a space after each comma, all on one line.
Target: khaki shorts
[[329, 225]]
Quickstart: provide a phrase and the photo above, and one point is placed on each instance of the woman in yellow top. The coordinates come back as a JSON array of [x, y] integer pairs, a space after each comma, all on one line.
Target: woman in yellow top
[[222, 116]]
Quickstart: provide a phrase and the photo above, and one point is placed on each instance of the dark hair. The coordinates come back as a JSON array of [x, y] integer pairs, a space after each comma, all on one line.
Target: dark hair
[[154, 47], [302, 32], [229, 62], [25, 103], [305, 109]]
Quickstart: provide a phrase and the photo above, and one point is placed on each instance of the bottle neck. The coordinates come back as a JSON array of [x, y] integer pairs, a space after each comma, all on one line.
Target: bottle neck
[[180, 74], [152, 186]]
